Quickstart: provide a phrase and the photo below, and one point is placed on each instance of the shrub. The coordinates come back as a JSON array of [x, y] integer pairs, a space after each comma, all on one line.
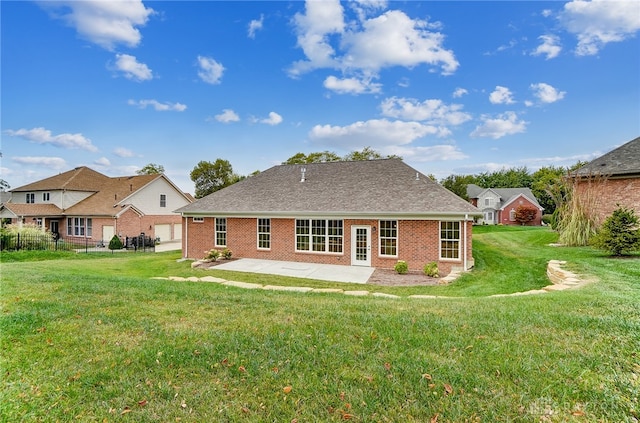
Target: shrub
[[401, 267], [212, 255], [115, 243], [619, 233], [227, 253], [525, 214], [431, 270], [547, 219]]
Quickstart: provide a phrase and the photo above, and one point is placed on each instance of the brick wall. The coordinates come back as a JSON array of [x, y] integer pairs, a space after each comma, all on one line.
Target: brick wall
[[418, 242], [604, 195], [505, 218]]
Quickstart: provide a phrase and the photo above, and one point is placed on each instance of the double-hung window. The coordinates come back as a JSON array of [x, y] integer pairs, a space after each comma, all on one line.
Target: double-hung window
[[221, 232], [389, 238], [449, 240], [46, 196], [163, 200], [264, 234], [79, 226], [31, 197], [319, 235]]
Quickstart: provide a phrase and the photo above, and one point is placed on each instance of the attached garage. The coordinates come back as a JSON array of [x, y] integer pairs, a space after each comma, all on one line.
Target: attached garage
[[163, 232]]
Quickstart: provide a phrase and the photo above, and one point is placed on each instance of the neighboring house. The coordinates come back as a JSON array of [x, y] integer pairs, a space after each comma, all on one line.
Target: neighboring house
[[85, 204], [359, 213], [499, 205], [611, 180]]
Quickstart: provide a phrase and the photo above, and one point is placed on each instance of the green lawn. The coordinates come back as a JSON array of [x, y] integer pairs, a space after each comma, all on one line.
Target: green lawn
[[93, 338]]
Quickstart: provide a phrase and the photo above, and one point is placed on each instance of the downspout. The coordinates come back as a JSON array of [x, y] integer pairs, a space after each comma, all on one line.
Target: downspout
[[464, 260], [186, 236]]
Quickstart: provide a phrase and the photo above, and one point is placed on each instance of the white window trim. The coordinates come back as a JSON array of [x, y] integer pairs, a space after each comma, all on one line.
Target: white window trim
[[165, 200], [440, 239], [216, 232], [197, 219], [327, 236], [30, 198], [258, 233], [380, 254]]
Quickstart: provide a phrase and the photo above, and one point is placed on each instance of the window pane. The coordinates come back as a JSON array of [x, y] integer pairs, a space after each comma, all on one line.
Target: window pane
[[389, 237]]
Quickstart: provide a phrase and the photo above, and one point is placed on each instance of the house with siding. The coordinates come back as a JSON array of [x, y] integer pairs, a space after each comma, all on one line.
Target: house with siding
[[610, 180], [359, 213], [499, 205], [83, 204]]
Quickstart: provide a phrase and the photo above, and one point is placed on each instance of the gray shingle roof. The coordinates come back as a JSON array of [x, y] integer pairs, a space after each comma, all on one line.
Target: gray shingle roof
[[624, 160], [507, 195], [373, 187]]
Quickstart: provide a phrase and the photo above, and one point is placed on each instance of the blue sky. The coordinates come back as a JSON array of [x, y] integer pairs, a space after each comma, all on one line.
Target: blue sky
[[452, 87]]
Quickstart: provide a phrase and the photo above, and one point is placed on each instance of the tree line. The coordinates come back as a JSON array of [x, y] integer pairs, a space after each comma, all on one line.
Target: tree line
[[548, 183]]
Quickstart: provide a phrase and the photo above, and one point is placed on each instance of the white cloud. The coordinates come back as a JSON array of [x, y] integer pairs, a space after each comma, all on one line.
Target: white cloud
[[432, 111], [351, 85], [133, 69], [50, 162], [501, 95], [366, 45], [159, 107], [123, 152], [375, 133], [44, 136], [102, 161], [255, 25], [432, 153], [546, 93], [273, 119], [210, 70], [106, 23], [599, 22], [227, 116], [505, 124], [459, 92], [550, 47]]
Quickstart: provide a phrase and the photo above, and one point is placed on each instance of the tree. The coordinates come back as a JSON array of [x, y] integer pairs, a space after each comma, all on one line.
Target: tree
[[550, 187], [210, 177], [525, 214], [620, 233], [506, 178], [115, 243], [318, 157], [457, 184], [151, 169]]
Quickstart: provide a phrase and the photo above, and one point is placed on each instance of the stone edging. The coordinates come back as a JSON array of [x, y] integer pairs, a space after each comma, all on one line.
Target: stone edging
[[561, 279]]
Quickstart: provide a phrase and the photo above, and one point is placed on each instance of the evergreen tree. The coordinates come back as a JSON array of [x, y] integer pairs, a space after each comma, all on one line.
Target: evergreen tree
[[620, 233]]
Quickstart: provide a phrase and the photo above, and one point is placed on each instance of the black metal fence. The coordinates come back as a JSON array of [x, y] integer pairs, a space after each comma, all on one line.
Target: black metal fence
[[48, 242]]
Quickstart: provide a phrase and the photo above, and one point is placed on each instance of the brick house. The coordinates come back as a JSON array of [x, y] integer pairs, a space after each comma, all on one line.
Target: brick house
[[499, 205], [82, 204], [361, 213], [611, 179]]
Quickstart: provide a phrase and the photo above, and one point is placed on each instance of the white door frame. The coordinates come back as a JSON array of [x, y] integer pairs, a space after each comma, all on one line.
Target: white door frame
[[361, 253]]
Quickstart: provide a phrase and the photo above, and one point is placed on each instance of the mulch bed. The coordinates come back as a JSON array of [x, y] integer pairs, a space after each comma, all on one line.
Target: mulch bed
[[383, 277]]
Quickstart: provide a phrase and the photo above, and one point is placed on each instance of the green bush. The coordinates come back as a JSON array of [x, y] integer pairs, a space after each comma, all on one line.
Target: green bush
[[227, 253], [431, 270], [212, 255], [115, 243], [401, 267], [547, 219], [619, 234]]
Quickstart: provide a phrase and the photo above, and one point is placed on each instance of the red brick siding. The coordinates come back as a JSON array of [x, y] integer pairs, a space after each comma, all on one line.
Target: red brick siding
[[418, 242], [504, 217], [608, 193]]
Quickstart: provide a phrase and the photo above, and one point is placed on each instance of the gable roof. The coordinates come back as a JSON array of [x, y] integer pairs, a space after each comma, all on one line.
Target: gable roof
[[108, 195], [507, 195], [355, 188], [624, 160], [79, 179]]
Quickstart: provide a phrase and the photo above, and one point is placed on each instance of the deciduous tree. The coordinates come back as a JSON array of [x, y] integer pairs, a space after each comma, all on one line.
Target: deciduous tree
[[151, 169], [209, 177]]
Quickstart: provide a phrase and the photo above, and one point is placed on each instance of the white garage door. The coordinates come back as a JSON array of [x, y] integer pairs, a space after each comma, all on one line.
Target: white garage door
[[177, 231], [107, 233], [163, 232]]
